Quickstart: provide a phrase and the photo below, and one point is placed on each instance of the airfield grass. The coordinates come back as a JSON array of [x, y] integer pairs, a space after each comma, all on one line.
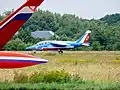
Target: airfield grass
[[71, 70]]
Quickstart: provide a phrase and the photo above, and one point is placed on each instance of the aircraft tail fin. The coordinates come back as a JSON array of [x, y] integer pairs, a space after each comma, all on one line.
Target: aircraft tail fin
[[11, 24], [84, 38]]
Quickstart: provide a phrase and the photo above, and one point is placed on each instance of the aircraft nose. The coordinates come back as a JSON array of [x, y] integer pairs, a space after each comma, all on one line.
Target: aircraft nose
[[30, 48], [43, 61]]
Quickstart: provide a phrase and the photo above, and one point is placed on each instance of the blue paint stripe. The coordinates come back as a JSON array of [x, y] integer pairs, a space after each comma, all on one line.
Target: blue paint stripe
[[80, 38], [23, 16], [4, 60]]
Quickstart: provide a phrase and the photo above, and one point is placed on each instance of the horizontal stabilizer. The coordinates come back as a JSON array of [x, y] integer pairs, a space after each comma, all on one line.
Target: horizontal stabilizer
[[86, 44]]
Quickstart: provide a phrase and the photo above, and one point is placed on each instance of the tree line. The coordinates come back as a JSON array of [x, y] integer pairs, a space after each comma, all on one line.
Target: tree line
[[105, 31]]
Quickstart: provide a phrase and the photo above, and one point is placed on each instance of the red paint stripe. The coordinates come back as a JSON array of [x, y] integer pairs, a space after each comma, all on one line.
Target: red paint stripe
[[9, 30], [16, 64], [87, 38], [14, 54], [34, 2]]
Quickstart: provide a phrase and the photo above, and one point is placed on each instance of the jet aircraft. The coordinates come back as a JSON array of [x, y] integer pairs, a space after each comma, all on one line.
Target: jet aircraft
[[8, 27], [61, 45]]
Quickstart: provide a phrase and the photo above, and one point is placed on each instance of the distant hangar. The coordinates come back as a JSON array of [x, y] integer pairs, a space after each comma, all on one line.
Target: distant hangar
[[42, 34]]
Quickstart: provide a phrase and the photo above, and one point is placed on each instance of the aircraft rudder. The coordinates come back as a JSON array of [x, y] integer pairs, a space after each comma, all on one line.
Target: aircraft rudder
[[87, 37], [84, 38]]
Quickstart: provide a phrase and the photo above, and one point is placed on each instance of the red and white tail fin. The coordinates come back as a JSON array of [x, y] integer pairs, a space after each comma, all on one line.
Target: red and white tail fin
[[84, 38], [11, 24]]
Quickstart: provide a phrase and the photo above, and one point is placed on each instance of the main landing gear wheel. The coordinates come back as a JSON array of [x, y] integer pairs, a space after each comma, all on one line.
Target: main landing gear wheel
[[60, 51]]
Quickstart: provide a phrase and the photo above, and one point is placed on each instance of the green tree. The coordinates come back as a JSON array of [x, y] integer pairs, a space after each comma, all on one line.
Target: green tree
[[15, 45]]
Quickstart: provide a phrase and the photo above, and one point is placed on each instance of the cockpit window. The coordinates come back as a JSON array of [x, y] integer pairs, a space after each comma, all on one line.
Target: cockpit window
[[43, 42]]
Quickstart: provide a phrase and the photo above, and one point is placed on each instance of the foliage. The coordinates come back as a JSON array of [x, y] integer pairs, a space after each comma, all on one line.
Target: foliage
[[57, 76], [1, 17], [36, 81], [43, 77], [16, 44], [111, 19], [87, 85], [105, 31]]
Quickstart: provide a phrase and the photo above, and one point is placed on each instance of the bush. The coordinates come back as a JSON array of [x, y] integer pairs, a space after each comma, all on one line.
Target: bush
[[41, 77], [36, 77], [57, 76], [15, 45]]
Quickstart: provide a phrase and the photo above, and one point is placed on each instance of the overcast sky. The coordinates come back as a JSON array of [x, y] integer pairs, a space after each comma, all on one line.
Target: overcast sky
[[87, 9]]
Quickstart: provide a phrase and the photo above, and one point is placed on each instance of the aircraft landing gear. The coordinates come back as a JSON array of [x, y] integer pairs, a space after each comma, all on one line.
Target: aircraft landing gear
[[33, 52], [60, 51]]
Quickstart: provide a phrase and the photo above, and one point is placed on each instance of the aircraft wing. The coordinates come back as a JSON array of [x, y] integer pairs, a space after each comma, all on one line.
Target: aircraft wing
[[59, 44]]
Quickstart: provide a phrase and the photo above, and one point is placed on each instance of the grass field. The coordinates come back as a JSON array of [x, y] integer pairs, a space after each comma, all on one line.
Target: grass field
[[96, 70], [99, 66]]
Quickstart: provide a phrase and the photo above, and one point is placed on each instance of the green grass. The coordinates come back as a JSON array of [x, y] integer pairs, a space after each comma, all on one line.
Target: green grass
[[87, 85], [56, 80]]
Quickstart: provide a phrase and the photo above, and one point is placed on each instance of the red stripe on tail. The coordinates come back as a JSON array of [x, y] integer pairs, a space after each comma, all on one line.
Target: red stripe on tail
[[87, 38]]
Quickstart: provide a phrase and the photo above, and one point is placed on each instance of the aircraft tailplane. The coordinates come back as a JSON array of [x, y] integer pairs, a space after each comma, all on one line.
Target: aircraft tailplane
[[86, 44]]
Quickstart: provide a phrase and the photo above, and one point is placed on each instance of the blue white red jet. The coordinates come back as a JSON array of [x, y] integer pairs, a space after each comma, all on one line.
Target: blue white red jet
[[61, 45], [8, 27]]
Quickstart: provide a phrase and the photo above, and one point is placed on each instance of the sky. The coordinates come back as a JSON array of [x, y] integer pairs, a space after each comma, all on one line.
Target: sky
[[87, 9]]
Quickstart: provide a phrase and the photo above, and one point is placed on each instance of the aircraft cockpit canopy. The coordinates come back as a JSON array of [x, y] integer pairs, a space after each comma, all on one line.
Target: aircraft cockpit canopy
[[43, 42]]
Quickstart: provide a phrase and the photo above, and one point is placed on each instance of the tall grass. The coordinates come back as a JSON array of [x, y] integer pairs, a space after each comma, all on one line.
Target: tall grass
[[44, 77], [56, 80]]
